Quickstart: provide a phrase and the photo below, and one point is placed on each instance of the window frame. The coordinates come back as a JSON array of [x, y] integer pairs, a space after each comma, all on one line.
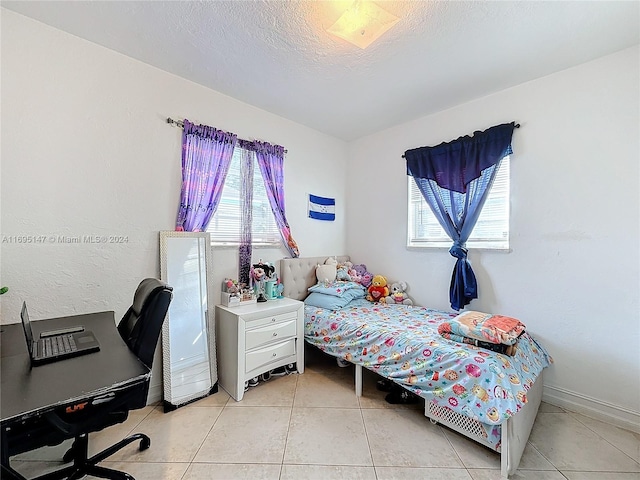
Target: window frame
[[502, 180], [272, 233]]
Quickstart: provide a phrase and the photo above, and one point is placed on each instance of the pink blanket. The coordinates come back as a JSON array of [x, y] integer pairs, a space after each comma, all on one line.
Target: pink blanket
[[485, 327]]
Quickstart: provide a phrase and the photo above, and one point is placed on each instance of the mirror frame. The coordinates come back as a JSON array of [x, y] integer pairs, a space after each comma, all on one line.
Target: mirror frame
[[169, 402]]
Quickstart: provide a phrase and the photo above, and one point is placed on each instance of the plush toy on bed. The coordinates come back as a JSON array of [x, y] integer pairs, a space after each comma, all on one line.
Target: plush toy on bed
[[363, 277], [378, 289], [327, 273], [343, 272], [398, 294]]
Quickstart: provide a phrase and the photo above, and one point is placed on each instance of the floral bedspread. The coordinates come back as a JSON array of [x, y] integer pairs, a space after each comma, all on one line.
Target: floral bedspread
[[402, 343]]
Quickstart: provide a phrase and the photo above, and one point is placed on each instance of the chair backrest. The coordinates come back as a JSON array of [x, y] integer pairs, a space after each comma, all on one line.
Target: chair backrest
[[141, 325]]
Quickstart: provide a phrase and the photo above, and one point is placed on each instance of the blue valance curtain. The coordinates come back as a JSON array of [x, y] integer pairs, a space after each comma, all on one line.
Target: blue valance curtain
[[454, 179]]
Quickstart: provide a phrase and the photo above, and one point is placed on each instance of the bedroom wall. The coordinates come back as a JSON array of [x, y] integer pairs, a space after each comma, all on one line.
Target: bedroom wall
[[572, 275], [86, 151]]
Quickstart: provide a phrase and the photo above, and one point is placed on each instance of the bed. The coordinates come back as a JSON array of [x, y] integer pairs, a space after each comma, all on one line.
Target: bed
[[489, 397]]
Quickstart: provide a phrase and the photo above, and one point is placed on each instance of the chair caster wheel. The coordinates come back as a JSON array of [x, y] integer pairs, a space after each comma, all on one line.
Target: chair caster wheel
[[265, 376], [145, 443], [290, 368]]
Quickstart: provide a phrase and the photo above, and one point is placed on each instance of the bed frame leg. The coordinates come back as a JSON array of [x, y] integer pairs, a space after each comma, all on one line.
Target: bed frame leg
[[358, 380], [504, 451]]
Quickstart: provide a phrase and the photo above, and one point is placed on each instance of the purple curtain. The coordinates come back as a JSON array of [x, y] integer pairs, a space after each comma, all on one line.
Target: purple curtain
[[246, 215], [271, 162], [206, 156]]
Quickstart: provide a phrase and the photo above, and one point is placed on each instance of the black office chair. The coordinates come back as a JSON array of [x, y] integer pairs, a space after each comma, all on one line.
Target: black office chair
[[140, 328]]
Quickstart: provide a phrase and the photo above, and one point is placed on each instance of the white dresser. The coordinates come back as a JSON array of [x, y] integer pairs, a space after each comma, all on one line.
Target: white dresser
[[254, 339]]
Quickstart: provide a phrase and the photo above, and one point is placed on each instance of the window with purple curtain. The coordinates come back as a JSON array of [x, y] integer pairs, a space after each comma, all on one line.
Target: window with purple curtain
[[271, 162], [206, 155], [246, 215]]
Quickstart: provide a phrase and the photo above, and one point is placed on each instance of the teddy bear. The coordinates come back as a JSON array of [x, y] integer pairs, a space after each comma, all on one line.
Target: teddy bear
[[364, 277], [398, 295], [378, 289]]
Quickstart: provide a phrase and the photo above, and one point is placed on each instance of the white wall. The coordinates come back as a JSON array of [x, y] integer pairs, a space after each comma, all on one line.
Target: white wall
[[572, 275], [86, 151]]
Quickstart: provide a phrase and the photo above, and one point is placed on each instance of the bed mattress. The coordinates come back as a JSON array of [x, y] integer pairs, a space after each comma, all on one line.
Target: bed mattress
[[402, 343]]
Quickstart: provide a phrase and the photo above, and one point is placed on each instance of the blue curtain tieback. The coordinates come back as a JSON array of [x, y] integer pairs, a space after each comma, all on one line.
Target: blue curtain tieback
[[458, 251]]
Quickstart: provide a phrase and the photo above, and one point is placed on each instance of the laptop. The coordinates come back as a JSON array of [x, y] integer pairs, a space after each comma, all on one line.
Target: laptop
[[57, 344]]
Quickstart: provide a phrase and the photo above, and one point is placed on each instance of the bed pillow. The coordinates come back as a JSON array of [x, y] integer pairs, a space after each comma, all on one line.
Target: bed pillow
[[337, 289], [330, 302]]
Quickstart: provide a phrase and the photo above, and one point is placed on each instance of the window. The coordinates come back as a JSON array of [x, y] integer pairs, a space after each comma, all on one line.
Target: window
[[224, 226], [491, 230]]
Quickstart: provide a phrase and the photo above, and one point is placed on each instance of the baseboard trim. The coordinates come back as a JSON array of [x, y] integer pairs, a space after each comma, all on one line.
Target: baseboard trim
[[592, 407]]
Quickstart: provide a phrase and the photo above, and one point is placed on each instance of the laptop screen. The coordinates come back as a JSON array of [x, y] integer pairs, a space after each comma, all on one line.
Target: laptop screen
[[26, 324]]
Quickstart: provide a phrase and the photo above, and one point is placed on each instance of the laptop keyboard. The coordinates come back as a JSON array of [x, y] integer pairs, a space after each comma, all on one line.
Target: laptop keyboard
[[54, 346]]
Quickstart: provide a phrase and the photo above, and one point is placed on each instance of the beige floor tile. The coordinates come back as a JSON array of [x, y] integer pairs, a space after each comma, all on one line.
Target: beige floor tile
[[321, 390], [569, 445], [31, 469], [219, 471], [175, 436], [143, 471], [218, 399], [327, 436], [413, 473], [485, 474], [625, 440], [475, 455], [98, 441], [548, 408], [46, 454], [600, 476], [406, 438], [140, 471], [276, 392], [326, 472], [247, 435]]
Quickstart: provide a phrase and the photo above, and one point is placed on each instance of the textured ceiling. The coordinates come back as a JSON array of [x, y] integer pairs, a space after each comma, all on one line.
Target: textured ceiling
[[277, 56]]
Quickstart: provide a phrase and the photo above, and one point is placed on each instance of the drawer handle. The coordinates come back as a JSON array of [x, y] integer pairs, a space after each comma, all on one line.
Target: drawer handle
[[273, 319], [275, 354], [275, 334]]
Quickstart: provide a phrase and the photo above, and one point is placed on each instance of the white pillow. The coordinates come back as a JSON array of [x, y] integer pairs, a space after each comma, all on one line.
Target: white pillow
[[326, 273]]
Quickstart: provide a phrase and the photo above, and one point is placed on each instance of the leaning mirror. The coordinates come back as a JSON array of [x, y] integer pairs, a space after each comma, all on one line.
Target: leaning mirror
[[188, 337]]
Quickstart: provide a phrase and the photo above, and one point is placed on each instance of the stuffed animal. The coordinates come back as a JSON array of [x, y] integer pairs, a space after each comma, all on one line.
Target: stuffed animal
[[343, 273], [378, 289], [398, 294], [327, 273], [364, 277]]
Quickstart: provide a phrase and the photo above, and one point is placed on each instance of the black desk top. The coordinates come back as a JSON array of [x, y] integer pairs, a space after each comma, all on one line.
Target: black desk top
[[27, 391]]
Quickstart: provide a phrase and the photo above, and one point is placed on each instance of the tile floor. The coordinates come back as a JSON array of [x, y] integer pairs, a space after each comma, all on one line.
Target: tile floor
[[312, 426]]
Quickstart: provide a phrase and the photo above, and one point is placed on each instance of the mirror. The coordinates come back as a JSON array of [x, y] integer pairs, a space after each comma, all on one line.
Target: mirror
[[188, 336]]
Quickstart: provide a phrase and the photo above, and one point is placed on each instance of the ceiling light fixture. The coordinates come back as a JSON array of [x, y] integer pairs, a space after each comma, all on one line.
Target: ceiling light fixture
[[363, 23]]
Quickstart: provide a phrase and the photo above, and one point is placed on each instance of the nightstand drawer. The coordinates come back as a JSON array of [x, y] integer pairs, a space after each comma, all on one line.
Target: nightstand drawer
[[269, 354], [269, 333], [272, 319]]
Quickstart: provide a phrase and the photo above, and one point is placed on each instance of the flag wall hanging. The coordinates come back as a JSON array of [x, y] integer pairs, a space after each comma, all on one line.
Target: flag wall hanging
[[322, 208]]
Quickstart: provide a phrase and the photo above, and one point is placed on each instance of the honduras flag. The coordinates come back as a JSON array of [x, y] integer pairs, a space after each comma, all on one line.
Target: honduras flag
[[322, 208]]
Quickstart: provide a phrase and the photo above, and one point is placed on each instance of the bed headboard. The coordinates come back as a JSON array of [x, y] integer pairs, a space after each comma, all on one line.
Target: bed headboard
[[298, 274]]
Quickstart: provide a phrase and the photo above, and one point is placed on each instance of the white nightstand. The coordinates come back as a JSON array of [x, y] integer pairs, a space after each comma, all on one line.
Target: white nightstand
[[253, 339]]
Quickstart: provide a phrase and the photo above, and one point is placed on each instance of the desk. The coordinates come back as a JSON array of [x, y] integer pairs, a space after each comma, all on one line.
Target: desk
[[27, 393]]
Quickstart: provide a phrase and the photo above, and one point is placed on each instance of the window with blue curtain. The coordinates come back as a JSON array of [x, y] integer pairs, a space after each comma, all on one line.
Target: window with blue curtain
[[455, 178]]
